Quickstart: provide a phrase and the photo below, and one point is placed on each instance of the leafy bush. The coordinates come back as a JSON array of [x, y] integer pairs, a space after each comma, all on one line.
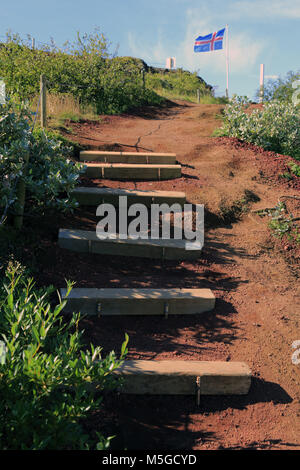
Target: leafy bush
[[295, 169], [48, 384], [49, 173], [75, 68], [86, 70], [275, 126], [83, 69], [179, 83], [122, 85]]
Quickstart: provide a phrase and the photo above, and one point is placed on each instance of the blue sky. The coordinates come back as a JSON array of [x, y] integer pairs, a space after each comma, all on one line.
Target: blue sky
[[260, 31]]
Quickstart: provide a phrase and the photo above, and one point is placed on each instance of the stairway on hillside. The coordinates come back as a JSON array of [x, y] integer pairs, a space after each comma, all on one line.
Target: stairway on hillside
[[147, 377]]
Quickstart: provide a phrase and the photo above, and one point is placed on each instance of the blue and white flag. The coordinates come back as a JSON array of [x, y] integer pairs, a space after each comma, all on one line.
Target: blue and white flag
[[210, 42]]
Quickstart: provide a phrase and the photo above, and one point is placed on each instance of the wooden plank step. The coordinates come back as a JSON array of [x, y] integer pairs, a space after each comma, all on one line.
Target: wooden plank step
[[96, 196], [128, 157], [131, 172], [171, 377], [84, 241], [122, 301]]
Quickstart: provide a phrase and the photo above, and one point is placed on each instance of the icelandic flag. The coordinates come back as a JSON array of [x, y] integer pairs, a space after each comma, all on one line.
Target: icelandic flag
[[210, 42]]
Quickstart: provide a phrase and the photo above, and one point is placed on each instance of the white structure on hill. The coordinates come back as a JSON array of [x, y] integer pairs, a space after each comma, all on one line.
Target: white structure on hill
[[171, 63]]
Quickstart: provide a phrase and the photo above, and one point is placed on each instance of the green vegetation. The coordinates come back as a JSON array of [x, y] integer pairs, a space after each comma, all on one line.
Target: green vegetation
[[295, 169], [208, 99], [57, 122], [83, 77], [48, 384], [49, 175], [179, 84], [64, 108], [275, 126], [282, 223], [84, 69]]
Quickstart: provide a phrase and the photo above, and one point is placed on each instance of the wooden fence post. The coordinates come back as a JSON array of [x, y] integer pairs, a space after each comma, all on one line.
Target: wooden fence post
[[43, 91], [21, 190]]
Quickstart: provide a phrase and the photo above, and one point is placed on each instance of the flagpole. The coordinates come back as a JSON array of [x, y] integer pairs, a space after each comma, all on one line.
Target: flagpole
[[227, 62]]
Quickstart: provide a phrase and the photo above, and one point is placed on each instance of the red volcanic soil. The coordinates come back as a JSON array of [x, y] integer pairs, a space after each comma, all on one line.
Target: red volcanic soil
[[254, 277]]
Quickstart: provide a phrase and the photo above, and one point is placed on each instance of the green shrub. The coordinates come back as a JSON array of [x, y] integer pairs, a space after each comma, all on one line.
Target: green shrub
[[179, 83], [83, 69], [275, 126], [295, 169], [86, 70], [48, 383], [122, 86], [76, 68], [49, 175], [208, 99]]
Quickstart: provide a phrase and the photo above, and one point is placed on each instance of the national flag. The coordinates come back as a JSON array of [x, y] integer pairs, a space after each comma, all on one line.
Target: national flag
[[210, 42]]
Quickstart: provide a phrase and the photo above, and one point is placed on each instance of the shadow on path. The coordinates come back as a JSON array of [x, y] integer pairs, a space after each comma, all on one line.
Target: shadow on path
[[166, 422]]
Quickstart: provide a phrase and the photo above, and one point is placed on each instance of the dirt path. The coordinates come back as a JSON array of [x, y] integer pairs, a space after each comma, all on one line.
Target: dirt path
[[257, 315]]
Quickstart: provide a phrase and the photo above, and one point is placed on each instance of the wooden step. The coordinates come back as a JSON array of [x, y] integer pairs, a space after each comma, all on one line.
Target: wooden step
[[84, 241], [96, 196], [115, 301], [171, 377], [119, 171], [128, 157]]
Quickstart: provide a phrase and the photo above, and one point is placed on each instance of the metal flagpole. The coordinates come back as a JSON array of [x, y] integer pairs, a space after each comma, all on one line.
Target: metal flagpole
[[227, 62]]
